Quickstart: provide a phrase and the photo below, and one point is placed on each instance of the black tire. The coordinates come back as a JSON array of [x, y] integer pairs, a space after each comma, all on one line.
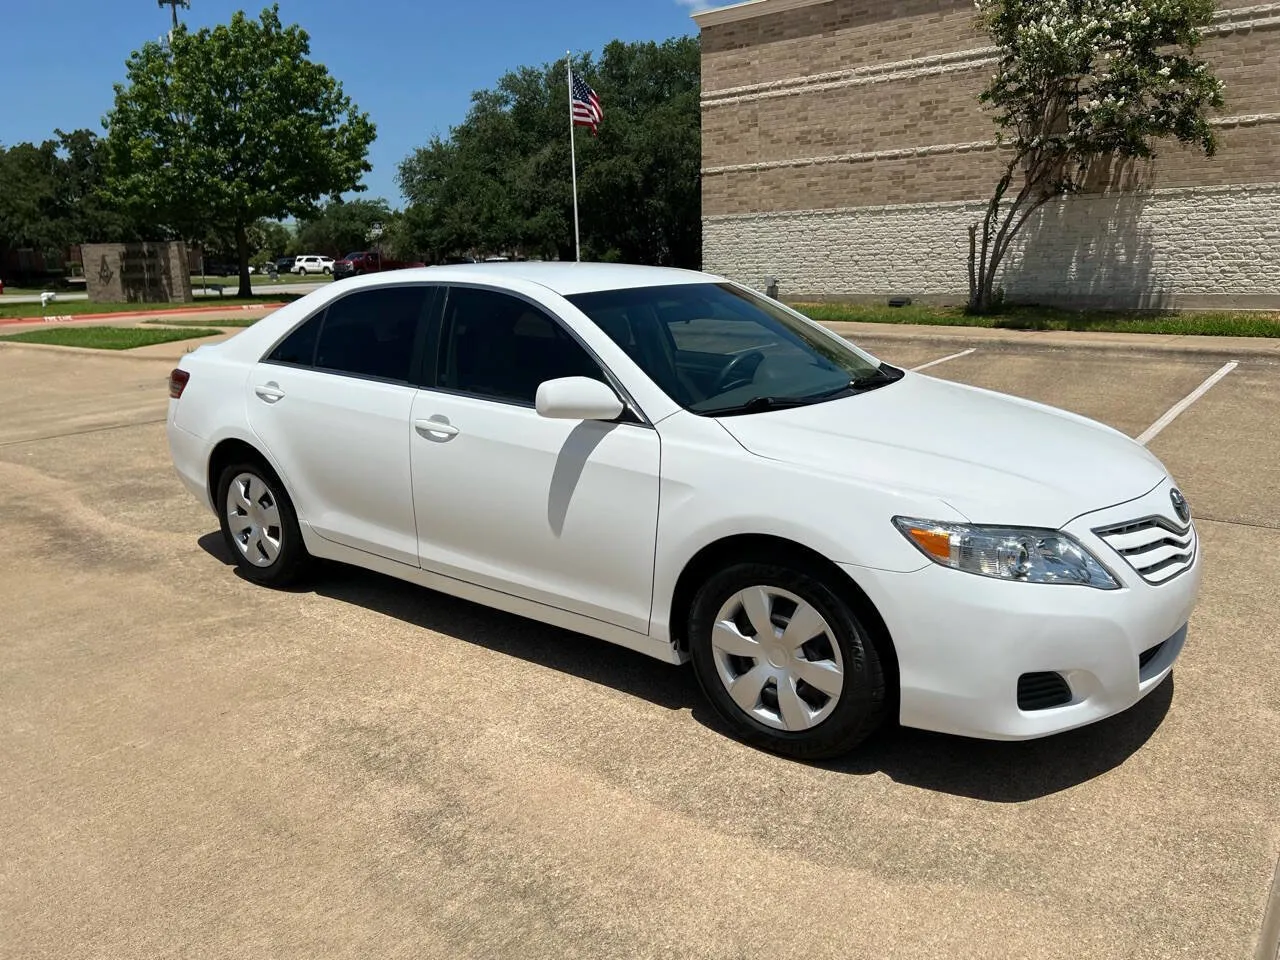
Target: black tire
[[327, 271], [862, 706], [292, 562]]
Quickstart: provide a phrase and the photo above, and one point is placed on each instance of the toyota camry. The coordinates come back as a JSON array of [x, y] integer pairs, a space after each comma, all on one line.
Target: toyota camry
[[671, 462]]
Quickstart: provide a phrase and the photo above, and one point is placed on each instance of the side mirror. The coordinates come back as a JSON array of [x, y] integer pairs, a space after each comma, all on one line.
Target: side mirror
[[577, 398]]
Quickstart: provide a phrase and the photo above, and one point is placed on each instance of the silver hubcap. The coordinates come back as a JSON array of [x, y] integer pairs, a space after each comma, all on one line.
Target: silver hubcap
[[254, 519], [777, 658]]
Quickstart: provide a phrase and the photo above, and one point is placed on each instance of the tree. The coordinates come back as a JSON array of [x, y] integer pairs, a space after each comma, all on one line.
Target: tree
[[341, 227], [268, 239], [232, 124], [500, 182], [51, 197], [1081, 84]]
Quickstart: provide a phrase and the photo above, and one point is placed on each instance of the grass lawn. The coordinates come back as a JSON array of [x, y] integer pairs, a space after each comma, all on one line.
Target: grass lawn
[[260, 278], [226, 324], [77, 307], [1221, 324], [108, 338]]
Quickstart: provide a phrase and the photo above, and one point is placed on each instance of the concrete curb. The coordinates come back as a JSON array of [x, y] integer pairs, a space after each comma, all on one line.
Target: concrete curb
[[139, 315], [1138, 343], [94, 351]]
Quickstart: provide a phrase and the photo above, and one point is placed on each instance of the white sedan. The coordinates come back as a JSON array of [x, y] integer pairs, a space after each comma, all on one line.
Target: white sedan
[[668, 461]]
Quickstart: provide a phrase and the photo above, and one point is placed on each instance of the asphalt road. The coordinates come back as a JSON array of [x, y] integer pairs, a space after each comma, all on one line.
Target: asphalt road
[[190, 765]]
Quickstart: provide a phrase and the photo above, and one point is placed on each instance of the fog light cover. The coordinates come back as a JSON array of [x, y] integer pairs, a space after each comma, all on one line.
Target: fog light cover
[[1008, 553]]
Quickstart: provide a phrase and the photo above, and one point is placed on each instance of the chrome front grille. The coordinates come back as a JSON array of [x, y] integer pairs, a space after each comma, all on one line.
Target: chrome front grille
[[1156, 547]]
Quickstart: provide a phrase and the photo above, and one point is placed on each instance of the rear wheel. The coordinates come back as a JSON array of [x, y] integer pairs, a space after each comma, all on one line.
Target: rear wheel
[[260, 526], [786, 661]]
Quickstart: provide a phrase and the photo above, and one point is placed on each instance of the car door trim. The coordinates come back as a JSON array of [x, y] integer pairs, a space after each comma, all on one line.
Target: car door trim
[[432, 383], [421, 338]]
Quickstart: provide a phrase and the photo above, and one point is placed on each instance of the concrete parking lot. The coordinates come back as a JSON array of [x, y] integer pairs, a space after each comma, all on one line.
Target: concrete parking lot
[[190, 765]]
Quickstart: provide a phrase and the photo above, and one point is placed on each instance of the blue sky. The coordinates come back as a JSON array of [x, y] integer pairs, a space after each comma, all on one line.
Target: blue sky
[[410, 64]]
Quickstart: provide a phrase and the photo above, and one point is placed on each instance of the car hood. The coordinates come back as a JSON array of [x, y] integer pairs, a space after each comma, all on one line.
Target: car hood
[[993, 458]]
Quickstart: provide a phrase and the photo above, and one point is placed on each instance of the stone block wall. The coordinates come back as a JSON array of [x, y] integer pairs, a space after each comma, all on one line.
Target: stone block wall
[[137, 272]]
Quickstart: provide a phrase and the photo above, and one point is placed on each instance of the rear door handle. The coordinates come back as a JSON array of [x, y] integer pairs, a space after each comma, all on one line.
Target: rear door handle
[[269, 392], [436, 429]]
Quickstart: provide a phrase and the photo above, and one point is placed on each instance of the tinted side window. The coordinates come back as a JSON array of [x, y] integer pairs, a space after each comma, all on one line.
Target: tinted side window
[[501, 347], [372, 333], [300, 346]]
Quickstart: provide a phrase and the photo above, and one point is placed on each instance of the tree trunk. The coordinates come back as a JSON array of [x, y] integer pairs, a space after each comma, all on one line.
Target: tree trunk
[[973, 267], [242, 257]]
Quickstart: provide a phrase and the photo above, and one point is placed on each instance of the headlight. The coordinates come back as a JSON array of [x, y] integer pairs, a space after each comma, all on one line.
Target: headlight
[[1007, 553]]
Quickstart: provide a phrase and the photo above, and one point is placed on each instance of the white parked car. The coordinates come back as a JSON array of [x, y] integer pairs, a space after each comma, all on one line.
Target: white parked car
[[312, 264], [668, 461]]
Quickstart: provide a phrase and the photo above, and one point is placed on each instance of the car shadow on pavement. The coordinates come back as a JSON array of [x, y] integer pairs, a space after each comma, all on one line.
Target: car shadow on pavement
[[604, 663], [1005, 772], [998, 772]]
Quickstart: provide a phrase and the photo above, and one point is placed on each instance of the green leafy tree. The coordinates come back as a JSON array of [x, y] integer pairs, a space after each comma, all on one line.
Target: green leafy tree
[[1080, 84], [268, 239], [500, 182], [51, 198], [229, 125], [342, 227]]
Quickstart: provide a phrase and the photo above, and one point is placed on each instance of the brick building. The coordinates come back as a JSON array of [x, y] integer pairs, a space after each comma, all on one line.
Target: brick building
[[844, 152]]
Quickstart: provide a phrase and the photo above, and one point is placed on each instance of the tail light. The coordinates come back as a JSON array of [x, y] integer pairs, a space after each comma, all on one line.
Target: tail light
[[177, 382]]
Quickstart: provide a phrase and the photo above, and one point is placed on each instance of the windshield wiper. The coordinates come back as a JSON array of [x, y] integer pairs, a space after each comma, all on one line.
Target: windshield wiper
[[758, 405], [885, 374]]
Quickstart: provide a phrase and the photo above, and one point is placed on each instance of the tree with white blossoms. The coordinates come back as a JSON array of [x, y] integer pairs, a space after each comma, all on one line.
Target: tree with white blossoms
[[1081, 83]]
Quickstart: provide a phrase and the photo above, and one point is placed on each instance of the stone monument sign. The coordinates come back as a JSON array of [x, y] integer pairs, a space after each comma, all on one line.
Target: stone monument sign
[[137, 272]]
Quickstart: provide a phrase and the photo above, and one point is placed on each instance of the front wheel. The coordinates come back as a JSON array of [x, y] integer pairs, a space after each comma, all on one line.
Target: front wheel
[[786, 661], [327, 271], [260, 526]]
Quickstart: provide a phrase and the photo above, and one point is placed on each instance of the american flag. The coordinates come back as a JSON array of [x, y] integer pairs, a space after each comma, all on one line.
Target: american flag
[[586, 105]]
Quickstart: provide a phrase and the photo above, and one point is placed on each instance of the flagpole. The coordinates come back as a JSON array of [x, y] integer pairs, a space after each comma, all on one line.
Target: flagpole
[[573, 159]]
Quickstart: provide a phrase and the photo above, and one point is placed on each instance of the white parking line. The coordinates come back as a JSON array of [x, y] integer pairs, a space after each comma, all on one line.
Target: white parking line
[[1173, 412], [934, 363]]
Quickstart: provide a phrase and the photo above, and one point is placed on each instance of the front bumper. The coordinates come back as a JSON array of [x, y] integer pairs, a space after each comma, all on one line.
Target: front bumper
[[963, 640]]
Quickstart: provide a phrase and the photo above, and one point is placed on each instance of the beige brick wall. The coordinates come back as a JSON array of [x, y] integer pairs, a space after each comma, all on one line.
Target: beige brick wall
[[1246, 155], [845, 104], [938, 108], [832, 36]]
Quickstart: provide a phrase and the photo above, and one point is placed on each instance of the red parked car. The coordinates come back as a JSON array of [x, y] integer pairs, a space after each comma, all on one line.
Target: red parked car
[[368, 261]]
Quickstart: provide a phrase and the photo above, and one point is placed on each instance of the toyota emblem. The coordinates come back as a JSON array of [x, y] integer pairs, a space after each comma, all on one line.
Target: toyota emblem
[[1180, 505]]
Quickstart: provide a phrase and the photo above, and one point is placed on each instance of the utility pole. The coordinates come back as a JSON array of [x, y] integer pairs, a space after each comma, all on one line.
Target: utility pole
[[173, 6]]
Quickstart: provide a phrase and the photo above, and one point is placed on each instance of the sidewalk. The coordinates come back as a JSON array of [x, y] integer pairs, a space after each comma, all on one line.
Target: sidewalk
[[1060, 339], [230, 310], [943, 336]]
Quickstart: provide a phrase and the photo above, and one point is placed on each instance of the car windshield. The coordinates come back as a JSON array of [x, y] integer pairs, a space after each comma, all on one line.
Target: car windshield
[[352, 256], [718, 350]]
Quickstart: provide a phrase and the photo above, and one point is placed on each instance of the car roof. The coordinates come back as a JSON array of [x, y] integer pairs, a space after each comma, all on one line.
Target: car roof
[[564, 278]]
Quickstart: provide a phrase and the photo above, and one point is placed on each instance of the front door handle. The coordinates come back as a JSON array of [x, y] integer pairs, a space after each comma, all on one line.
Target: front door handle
[[436, 429], [269, 392]]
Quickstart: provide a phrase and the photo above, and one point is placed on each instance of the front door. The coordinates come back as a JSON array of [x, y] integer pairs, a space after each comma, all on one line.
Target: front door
[[560, 512]]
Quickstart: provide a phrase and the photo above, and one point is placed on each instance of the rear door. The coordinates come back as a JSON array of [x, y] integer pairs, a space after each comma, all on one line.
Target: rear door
[[332, 403]]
